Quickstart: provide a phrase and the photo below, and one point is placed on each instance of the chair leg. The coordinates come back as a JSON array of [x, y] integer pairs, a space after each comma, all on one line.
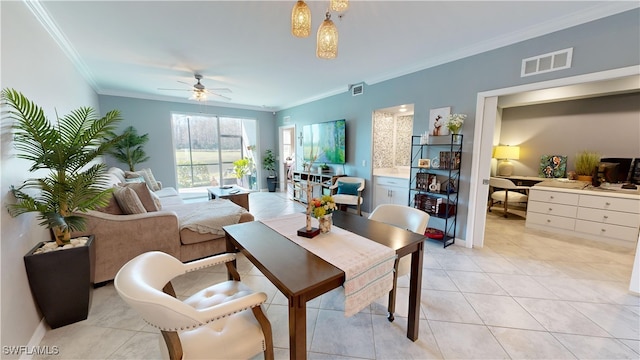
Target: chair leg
[[266, 331], [392, 294]]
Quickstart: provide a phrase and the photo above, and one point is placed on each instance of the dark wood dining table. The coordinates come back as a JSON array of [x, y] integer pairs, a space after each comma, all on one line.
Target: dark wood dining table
[[302, 276]]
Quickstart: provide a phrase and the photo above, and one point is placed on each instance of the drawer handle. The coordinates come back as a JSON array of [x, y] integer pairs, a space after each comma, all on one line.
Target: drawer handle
[[550, 209], [607, 203], [606, 217], [548, 220], [603, 230], [550, 197]]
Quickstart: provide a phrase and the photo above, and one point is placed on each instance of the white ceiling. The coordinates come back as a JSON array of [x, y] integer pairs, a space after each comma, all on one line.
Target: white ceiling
[[133, 48]]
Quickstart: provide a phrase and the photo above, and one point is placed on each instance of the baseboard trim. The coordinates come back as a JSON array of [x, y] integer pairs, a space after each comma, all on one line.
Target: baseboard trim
[[38, 334]]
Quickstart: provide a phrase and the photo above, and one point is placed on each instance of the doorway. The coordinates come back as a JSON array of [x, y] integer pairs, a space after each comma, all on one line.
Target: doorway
[[487, 124], [287, 142]]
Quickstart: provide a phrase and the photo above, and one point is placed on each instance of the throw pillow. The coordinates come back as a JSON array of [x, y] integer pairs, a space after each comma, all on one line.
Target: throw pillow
[[156, 200], [348, 188], [144, 194], [128, 200], [150, 179], [112, 208]]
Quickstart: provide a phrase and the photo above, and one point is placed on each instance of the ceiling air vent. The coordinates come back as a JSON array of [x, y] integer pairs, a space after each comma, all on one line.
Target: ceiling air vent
[[553, 61], [357, 89]]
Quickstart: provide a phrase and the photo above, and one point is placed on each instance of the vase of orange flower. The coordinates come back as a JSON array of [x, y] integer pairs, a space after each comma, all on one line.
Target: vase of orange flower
[[321, 209]]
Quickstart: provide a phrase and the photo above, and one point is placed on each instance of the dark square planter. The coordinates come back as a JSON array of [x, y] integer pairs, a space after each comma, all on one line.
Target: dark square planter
[[60, 282]]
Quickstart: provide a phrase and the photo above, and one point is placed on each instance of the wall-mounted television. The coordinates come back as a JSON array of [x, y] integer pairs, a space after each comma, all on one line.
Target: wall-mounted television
[[325, 142]]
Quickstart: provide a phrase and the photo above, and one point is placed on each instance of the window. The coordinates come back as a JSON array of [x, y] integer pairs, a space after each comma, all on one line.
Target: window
[[206, 147]]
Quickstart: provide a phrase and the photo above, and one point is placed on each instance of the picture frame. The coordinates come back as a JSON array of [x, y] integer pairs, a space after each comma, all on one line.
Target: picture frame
[[424, 163], [437, 121]]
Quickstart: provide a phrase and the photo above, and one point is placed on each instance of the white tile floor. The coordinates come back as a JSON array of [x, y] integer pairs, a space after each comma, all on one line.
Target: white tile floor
[[525, 294]]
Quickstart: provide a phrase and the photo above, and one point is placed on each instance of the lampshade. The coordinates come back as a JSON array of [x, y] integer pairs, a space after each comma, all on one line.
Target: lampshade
[[327, 42], [339, 5], [301, 20], [507, 152]]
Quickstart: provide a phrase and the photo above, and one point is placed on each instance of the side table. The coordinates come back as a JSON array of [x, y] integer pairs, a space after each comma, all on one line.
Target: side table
[[236, 194]]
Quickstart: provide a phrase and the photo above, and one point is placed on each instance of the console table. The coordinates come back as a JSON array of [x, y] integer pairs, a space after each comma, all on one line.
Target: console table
[[591, 213]]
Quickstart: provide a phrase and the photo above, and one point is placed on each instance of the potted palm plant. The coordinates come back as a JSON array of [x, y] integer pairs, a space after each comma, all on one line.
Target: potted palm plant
[[130, 148], [269, 164], [64, 153]]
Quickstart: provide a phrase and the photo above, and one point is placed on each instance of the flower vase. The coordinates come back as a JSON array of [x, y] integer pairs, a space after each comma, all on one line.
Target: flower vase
[[325, 223]]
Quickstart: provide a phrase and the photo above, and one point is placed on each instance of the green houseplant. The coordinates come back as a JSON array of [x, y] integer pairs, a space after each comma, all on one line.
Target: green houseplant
[[67, 149], [585, 164], [130, 148], [241, 168], [269, 164], [65, 153]]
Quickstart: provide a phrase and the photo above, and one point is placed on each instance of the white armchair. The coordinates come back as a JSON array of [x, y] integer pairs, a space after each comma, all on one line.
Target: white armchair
[[216, 322], [347, 191], [404, 217]]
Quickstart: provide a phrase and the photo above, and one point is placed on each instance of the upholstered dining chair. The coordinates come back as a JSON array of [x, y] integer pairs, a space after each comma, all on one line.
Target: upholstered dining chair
[[408, 218], [506, 192], [347, 191], [222, 321]]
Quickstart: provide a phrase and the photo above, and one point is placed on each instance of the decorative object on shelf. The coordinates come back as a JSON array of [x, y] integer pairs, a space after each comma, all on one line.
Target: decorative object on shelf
[[437, 119], [435, 162], [454, 122], [552, 166], [506, 153], [586, 164], [424, 138], [424, 163], [449, 160], [301, 20]]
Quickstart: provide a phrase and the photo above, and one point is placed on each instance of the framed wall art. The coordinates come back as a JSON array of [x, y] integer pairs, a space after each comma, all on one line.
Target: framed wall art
[[424, 163], [437, 121]]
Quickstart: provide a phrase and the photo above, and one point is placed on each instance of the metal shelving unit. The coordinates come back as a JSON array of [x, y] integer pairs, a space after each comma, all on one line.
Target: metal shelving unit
[[435, 180]]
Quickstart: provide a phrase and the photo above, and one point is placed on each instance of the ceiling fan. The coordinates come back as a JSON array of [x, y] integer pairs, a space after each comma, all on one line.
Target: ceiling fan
[[200, 92]]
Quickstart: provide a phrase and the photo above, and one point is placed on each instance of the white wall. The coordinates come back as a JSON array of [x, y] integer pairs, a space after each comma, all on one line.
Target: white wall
[[33, 64]]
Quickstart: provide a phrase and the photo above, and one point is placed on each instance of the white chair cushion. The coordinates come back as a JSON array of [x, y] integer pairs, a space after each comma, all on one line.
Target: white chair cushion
[[514, 196], [346, 199]]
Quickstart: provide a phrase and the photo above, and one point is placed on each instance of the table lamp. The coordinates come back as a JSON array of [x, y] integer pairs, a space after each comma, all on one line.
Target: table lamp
[[506, 153]]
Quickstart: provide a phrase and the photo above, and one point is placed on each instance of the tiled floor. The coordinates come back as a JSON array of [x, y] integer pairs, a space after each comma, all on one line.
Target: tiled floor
[[524, 295]]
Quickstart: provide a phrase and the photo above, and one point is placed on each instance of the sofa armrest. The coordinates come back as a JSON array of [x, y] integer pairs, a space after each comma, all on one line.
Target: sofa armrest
[[120, 238]]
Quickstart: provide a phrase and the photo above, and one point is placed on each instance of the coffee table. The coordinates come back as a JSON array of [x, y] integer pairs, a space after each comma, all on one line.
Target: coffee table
[[302, 276], [236, 194]]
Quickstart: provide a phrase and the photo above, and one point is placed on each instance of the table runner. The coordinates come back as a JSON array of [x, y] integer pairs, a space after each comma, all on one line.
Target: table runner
[[368, 266]]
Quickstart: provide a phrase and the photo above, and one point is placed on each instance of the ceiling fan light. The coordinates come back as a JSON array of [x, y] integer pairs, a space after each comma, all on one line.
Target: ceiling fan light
[[327, 40], [301, 20], [339, 5], [198, 95]]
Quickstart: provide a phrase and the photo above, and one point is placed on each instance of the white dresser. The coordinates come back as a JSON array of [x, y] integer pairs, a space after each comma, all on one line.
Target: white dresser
[[595, 214]]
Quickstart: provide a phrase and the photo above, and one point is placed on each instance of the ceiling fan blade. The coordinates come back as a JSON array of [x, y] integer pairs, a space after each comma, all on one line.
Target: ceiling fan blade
[[176, 89], [222, 96], [186, 83], [224, 90]]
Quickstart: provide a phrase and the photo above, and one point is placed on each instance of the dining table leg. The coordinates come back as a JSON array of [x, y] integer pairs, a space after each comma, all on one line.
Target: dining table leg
[[297, 328], [413, 322]]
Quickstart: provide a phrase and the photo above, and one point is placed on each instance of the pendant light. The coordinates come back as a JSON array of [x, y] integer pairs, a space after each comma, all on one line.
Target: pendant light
[[339, 5], [301, 20], [327, 41]]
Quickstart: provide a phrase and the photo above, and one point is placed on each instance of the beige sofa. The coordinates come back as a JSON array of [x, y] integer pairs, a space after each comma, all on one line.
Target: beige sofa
[[120, 237]]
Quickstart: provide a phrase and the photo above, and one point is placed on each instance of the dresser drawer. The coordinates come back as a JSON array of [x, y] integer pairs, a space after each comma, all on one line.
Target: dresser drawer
[[553, 197], [391, 181], [551, 209], [551, 221], [608, 203], [607, 230], [609, 217]]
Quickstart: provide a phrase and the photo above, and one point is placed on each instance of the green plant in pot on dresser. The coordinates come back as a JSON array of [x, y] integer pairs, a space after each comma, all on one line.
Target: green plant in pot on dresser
[[65, 153], [586, 164]]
